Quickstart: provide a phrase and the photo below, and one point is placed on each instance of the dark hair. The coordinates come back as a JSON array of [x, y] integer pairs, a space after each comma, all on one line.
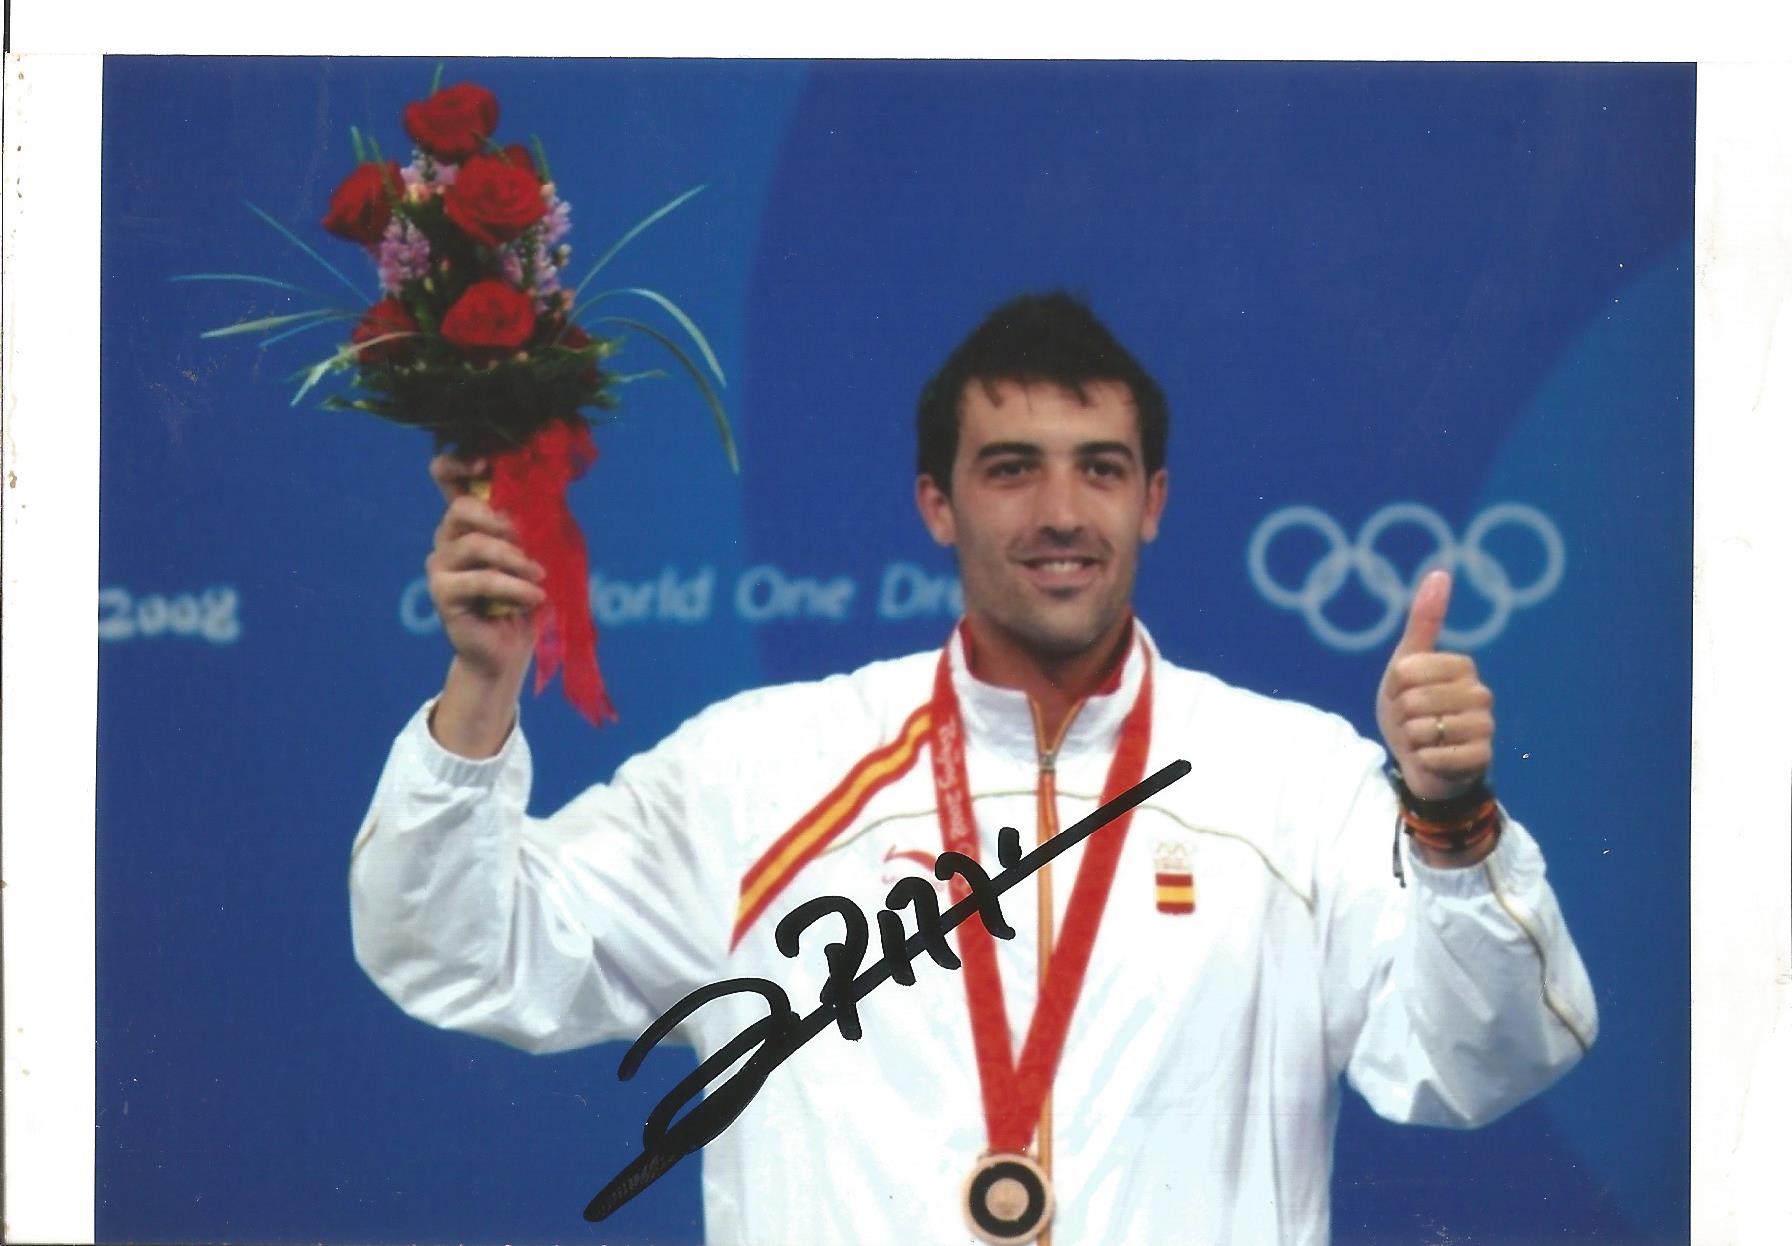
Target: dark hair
[[1050, 337]]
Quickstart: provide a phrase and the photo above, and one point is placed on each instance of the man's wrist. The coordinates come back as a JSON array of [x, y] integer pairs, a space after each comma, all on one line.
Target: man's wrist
[[475, 714], [1449, 834]]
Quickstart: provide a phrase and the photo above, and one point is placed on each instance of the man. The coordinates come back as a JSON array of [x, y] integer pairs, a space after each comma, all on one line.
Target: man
[[1156, 1057]]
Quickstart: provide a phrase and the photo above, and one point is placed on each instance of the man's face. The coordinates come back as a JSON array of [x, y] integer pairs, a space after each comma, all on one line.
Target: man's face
[[1049, 505]]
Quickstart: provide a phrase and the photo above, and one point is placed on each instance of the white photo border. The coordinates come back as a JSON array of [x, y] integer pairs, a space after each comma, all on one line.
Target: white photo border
[[1741, 815]]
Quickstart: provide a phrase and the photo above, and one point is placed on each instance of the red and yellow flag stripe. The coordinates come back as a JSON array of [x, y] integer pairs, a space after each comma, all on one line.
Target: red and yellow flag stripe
[[1175, 891], [815, 830]]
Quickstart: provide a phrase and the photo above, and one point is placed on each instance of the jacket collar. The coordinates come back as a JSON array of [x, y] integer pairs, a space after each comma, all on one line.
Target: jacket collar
[[1001, 719]]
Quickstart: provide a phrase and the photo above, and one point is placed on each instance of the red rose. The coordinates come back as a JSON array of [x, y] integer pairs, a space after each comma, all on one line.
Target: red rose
[[493, 200], [362, 205], [453, 123], [385, 317], [518, 155], [490, 319]]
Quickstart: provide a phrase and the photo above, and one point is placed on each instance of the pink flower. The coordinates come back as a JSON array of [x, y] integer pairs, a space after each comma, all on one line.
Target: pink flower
[[402, 255]]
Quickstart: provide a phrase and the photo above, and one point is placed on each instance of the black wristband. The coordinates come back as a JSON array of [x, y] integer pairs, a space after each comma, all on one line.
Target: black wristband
[[1450, 809]]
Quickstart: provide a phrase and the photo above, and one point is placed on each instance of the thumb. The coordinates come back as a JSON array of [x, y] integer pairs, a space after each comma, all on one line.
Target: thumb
[[1429, 605]]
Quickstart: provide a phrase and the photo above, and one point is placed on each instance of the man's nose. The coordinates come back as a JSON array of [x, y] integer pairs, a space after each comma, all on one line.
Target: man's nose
[[1057, 504]]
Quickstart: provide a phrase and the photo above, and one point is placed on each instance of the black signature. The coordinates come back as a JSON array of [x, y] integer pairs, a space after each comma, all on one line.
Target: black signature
[[781, 1032]]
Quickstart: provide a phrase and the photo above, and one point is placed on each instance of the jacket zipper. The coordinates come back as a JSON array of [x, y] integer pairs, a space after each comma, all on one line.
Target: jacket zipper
[[1047, 789]]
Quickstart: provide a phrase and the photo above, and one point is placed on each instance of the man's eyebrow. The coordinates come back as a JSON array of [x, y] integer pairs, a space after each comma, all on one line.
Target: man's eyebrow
[[1105, 447], [997, 448]]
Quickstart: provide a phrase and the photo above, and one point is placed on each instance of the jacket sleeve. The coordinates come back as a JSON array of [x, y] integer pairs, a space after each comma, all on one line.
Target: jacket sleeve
[[547, 933], [1451, 1000]]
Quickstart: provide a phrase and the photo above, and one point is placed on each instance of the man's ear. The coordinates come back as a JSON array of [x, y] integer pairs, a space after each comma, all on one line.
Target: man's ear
[[936, 510], [1157, 493]]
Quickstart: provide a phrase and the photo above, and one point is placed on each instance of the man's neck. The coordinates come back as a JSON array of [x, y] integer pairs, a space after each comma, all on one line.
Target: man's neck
[[1054, 685]]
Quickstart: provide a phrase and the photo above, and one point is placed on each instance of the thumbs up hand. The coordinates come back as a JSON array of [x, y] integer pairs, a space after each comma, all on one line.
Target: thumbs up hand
[[1435, 713]]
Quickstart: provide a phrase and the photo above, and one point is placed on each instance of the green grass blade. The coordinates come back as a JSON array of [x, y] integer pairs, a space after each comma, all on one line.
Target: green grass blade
[[435, 79], [315, 375], [284, 334], [696, 373], [252, 278], [300, 244], [272, 322], [650, 374], [673, 310], [630, 236], [336, 402], [342, 356], [541, 158]]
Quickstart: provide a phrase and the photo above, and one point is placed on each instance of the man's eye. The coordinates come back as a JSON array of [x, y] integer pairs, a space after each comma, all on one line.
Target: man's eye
[[1008, 469], [1105, 467]]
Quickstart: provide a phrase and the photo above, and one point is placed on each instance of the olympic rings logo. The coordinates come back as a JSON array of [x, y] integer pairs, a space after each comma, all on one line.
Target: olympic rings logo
[[1344, 558]]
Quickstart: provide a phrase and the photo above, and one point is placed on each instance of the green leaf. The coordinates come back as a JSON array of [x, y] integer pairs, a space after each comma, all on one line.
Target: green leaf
[[269, 322], [435, 81], [709, 395], [354, 134], [300, 244], [672, 309], [650, 374], [541, 157], [629, 237]]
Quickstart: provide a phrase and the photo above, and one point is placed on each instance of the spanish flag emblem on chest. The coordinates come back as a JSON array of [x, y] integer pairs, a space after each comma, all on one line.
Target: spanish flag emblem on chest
[[1175, 878]]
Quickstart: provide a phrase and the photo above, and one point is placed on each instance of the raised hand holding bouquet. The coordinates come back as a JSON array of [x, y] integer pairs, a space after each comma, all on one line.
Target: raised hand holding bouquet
[[475, 338]]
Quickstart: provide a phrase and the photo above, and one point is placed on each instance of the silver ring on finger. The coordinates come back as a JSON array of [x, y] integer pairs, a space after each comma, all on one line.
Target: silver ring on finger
[[1440, 730]]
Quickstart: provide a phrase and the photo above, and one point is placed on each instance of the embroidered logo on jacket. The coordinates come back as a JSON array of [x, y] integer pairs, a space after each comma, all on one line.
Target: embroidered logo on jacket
[[900, 863], [1175, 878]]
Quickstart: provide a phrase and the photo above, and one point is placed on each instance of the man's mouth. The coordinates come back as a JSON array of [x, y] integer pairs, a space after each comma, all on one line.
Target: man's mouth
[[1061, 570]]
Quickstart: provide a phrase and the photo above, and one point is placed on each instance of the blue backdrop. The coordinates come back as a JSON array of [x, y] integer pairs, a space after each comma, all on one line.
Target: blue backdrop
[[1464, 292]]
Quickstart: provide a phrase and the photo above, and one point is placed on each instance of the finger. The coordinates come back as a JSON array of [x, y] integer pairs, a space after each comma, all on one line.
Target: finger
[[1447, 730], [457, 592], [1417, 670], [1426, 619], [453, 474], [477, 551], [1452, 697], [468, 514]]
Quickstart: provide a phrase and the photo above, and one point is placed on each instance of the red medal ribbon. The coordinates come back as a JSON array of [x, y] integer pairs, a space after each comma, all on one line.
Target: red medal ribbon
[[529, 484], [1012, 1097]]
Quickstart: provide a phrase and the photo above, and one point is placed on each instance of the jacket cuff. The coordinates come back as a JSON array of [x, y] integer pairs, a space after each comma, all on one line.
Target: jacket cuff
[[452, 768], [1470, 880]]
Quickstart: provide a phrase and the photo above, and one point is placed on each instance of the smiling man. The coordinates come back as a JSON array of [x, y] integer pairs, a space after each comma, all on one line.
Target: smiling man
[[1159, 1055], [1047, 508]]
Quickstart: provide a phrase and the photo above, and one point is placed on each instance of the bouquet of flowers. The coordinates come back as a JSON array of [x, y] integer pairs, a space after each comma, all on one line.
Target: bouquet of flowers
[[476, 337]]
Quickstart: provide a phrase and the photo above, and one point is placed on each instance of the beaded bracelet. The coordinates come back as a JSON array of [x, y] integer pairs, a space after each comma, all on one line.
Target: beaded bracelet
[[1453, 837]]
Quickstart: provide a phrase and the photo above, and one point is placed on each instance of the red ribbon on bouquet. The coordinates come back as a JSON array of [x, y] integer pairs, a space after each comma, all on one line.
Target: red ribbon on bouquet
[[529, 485]]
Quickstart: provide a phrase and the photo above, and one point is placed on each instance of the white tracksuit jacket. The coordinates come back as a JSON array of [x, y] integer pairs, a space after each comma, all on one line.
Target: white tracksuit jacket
[[1198, 1090]]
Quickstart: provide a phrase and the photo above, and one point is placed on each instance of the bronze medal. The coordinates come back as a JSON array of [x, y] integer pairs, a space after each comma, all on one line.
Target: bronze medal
[[1007, 1199]]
